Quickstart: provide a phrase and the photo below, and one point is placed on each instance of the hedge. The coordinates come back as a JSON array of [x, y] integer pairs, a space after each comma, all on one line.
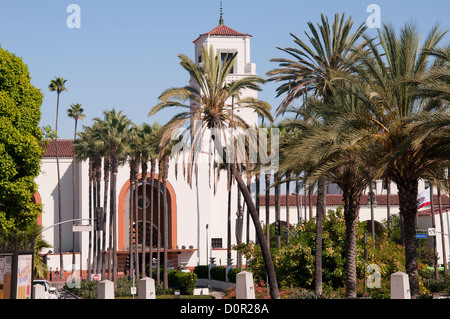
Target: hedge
[[217, 273]]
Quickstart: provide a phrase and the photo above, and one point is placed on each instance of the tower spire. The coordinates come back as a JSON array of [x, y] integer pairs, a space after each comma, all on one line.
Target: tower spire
[[221, 14]]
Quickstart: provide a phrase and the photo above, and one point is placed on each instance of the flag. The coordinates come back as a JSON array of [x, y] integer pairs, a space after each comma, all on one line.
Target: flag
[[423, 199]]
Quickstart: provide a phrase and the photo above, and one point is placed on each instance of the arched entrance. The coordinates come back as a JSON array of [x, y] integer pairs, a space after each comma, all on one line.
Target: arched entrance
[[37, 200], [154, 225]]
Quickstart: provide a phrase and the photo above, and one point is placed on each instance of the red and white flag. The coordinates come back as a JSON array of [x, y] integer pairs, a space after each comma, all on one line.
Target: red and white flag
[[423, 199]]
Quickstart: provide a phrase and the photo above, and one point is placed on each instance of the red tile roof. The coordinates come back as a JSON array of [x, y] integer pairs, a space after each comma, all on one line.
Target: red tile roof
[[336, 200], [223, 30], [65, 149]]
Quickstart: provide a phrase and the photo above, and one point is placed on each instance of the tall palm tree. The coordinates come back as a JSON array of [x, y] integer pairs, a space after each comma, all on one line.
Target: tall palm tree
[[114, 127], [153, 154], [207, 110], [397, 103], [321, 150], [58, 85], [145, 136], [311, 72], [76, 112], [85, 149]]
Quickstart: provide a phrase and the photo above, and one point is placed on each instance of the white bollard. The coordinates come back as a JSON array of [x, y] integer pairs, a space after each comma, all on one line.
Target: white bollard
[[147, 288], [106, 289], [400, 286], [245, 288], [38, 292]]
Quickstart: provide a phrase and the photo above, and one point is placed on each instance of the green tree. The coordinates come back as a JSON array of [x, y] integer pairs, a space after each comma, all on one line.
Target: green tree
[[114, 128], [20, 144], [207, 110], [396, 103], [58, 85], [76, 112], [312, 73]]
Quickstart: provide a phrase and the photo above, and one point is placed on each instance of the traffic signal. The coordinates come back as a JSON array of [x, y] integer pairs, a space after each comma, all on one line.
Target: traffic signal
[[99, 218], [128, 261], [277, 228]]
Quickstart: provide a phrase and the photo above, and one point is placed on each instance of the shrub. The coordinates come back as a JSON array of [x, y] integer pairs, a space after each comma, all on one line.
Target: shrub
[[232, 274], [183, 281], [201, 271], [218, 273]]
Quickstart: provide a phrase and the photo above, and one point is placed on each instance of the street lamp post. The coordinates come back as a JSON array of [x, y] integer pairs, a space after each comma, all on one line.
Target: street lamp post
[[373, 204]]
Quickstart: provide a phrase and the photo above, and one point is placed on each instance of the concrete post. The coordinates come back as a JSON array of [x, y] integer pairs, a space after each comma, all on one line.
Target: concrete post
[[39, 291], [244, 286], [106, 289], [400, 286], [147, 288]]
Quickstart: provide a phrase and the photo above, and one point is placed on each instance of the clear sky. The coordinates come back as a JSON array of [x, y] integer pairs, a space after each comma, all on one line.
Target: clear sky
[[125, 53]]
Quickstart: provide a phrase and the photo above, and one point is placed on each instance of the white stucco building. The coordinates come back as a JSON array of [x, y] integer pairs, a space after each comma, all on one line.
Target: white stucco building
[[197, 227]]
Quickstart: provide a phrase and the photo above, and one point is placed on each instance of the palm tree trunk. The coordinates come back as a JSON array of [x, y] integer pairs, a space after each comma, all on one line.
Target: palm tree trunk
[[99, 177], [158, 245], [144, 215], [441, 218], [257, 199], [433, 224], [310, 194], [166, 221], [152, 176], [260, 234], [111, 226], [229, 216], [239, 225], [61, 259], [114, 170], [277, 206], [388, 205], [407, 195], [74, 215], [287, 207], [267, 183], [351, 213], [297, 196], [136, 213], [320, 212], [105, 205], [90, 216]]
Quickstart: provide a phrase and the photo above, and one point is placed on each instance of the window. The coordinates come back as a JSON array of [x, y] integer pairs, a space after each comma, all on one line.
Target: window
[[225, 57], [216, 242]]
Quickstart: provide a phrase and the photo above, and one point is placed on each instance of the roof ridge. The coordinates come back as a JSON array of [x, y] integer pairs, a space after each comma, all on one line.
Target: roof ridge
[[223, 30]]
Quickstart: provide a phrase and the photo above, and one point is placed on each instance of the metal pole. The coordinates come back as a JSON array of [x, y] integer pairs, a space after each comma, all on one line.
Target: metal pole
[[365, 257], [66, 221]]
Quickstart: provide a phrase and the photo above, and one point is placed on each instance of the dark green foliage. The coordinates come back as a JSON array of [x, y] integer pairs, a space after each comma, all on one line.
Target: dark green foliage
[[218, 273], [201, 271], [232, 274], [20, 149], [178, 280]]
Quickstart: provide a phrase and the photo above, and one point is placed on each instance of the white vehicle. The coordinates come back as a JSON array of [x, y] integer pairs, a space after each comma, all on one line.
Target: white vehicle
[[50, 291]]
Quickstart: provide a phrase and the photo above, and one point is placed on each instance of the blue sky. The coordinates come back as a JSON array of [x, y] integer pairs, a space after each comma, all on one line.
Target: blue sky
[[125, 53]]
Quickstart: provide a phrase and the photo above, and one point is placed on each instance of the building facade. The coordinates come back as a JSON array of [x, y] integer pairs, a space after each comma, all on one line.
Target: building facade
[[197, 216]]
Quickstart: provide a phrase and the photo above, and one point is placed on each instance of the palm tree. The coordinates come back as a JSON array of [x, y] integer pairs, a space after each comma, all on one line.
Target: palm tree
[[145, 136], [76, 112], [311, 72], [322, 150], [115, 127], [207, 110], [85, 149], [397, 103], [153, 154], [58, 85]]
